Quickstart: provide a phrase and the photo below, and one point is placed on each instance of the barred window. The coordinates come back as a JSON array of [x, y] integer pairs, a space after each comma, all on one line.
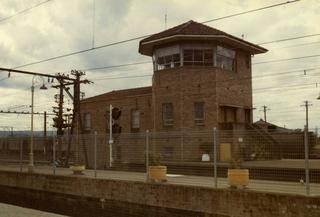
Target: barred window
[[167, 114], [199, 113]]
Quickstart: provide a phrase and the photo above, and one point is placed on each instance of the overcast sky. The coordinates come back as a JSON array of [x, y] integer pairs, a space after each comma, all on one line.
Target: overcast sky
[[64, 26]]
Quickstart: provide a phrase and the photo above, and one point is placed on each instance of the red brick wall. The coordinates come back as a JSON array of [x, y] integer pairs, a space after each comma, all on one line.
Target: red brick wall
[[183, 87]]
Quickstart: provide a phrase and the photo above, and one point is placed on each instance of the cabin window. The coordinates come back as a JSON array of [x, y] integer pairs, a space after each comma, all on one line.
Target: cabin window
[[225, 58], [166, 58], [198, 57]]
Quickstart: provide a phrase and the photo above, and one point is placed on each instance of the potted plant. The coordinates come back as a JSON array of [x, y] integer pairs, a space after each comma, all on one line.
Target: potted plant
[[156, 171], [78, 168], [237, 177]]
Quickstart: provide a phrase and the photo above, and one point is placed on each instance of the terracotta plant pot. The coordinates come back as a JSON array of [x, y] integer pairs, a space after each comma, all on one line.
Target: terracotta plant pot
[[238, 177], [158, 173], [78, 169]]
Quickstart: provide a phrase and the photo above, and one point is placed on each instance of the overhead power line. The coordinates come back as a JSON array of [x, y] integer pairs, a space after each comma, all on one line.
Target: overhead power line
[[144, 36], [78, 52], [147, 62], [251, 11], [289, 39], [300, 45], [288, 59], [23, 11], [115, 66]]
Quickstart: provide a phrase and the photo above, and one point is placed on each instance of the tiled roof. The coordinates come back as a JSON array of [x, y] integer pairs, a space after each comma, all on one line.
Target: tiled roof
[[191, 29], [120, 94]]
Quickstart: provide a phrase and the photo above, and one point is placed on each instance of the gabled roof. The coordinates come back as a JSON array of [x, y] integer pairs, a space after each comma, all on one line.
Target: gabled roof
[[269, 126], [120, 94], [192, 30]]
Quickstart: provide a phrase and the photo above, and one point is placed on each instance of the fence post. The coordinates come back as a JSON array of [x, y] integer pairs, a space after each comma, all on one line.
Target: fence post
[[215, 157], [306, 158], [21, 152], [147, 154], [95, 154], [54, 155]]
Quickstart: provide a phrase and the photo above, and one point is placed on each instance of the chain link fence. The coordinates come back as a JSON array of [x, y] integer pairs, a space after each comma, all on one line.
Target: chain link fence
[[284, 161]]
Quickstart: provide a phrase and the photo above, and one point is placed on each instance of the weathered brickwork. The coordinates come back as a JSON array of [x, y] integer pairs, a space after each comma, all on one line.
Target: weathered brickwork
[[226, 93], [183, 87], [105, 197], [126, 100], [182, 80]]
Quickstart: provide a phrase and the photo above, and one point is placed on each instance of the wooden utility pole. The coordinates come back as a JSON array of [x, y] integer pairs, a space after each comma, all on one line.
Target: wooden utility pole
[[58, 110], [307, 104], [265, 109], [45, 124], [64, 81], [76, 124], [306, 148]]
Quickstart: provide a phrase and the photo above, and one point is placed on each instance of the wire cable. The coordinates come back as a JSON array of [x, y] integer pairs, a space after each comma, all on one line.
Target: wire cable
[[250, 11], [289, 39], [141, 37], [23, 11], [288, 59]]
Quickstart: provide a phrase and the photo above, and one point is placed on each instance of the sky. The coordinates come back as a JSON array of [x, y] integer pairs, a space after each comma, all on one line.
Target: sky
[[59, 27]]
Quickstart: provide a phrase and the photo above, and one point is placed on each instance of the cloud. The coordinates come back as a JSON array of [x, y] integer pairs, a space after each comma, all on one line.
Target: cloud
[[60, 27]]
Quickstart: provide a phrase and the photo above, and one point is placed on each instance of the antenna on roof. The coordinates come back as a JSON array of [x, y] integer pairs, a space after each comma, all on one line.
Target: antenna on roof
[[165, 20]]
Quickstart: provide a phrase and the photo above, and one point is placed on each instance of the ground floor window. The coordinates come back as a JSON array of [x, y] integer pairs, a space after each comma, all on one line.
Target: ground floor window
[[167, 114], [87, 121], [199, 113], [135, 119]]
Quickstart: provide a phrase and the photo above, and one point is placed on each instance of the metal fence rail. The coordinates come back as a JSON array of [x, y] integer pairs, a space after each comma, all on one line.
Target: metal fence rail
[[289, 159]]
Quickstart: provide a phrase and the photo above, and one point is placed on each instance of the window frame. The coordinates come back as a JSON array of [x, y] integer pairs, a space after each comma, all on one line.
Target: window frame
[[167, 122], [134, 127], [199, 120], [225, 57], [87, 121], [193, 54]]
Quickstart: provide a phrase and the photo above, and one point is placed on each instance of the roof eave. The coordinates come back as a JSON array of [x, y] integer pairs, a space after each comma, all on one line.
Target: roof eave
[[146, 47]]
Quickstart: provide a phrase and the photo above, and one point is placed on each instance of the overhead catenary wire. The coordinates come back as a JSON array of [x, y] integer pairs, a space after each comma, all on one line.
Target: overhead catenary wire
[[289, 39], [288, 59], [253, 77], [148, 62], [225, 80], [298, 45], [97, 69], [144, 36], [297, 87], [23, 11], [251, 11]]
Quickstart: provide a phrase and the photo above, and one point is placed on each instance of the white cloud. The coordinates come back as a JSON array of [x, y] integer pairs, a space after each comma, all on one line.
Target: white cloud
[[60, 27]]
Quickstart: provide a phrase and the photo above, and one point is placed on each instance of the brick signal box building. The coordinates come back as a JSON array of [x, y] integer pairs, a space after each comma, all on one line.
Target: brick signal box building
[[202, 79]]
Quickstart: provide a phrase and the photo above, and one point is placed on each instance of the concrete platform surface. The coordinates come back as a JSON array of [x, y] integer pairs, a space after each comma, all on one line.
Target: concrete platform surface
[[7, 210], [256, 185]]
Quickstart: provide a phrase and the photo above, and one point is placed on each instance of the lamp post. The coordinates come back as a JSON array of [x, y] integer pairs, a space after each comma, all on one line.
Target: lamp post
[[31, 159]]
